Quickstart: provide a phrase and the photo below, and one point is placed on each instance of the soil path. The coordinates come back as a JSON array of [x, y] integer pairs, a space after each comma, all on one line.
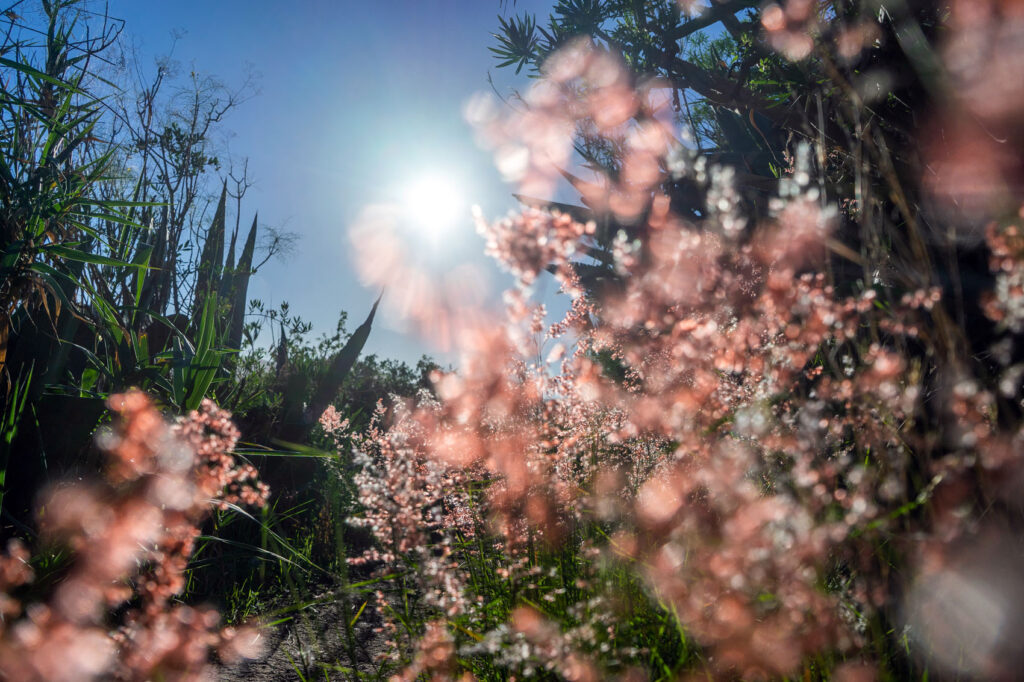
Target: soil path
[[314, 642]]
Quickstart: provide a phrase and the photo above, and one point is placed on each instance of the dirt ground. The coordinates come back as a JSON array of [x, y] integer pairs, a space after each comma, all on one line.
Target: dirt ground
[[314, 642]]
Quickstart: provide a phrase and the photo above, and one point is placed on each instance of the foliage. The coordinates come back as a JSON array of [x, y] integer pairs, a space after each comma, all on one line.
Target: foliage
[[299, 542], [743, 93], [51, 162], [86, 276], [272, 384]]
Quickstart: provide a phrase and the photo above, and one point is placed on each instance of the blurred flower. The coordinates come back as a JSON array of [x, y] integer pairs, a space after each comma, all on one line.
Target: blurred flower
[[136, 528]]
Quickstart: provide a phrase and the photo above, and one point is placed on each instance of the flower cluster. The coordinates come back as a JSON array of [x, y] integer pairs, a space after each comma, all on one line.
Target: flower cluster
[[1006, 302], [131, 536], [415, 509], [774, 451]]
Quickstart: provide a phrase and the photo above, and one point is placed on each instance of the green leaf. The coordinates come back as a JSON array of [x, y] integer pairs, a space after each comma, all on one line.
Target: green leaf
[[328, 387], [178, 367], [69, 253], [141, 258], [204, 365], [212, 257], [240, 289], [35, 73]]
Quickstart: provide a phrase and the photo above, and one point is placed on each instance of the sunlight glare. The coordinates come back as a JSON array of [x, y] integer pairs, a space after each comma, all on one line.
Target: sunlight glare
[[434, 202]]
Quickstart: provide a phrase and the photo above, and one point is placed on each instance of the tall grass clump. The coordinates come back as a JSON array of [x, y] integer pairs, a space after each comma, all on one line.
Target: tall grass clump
[[778, 432]]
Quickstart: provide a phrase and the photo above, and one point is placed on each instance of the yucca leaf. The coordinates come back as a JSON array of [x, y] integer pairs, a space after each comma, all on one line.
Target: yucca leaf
[[281, 358], [328, 387], [142, 256], [240, 289], [15, 407], [580, 214], [121, 204], [178, 366], [212, 257], [69, 253], [115, 218], [35, 73], [204, 364]]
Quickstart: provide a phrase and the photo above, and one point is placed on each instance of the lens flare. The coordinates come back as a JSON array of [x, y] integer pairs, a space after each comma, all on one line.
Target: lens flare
[[435, 203]]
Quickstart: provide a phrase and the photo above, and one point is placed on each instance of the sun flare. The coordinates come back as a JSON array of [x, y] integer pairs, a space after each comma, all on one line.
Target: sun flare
[[434, 202]]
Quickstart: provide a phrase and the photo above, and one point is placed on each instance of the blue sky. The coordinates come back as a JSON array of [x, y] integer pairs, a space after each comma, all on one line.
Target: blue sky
[[356, 100]]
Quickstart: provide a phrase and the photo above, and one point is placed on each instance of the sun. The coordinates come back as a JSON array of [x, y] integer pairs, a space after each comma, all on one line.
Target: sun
[[434, 202]]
